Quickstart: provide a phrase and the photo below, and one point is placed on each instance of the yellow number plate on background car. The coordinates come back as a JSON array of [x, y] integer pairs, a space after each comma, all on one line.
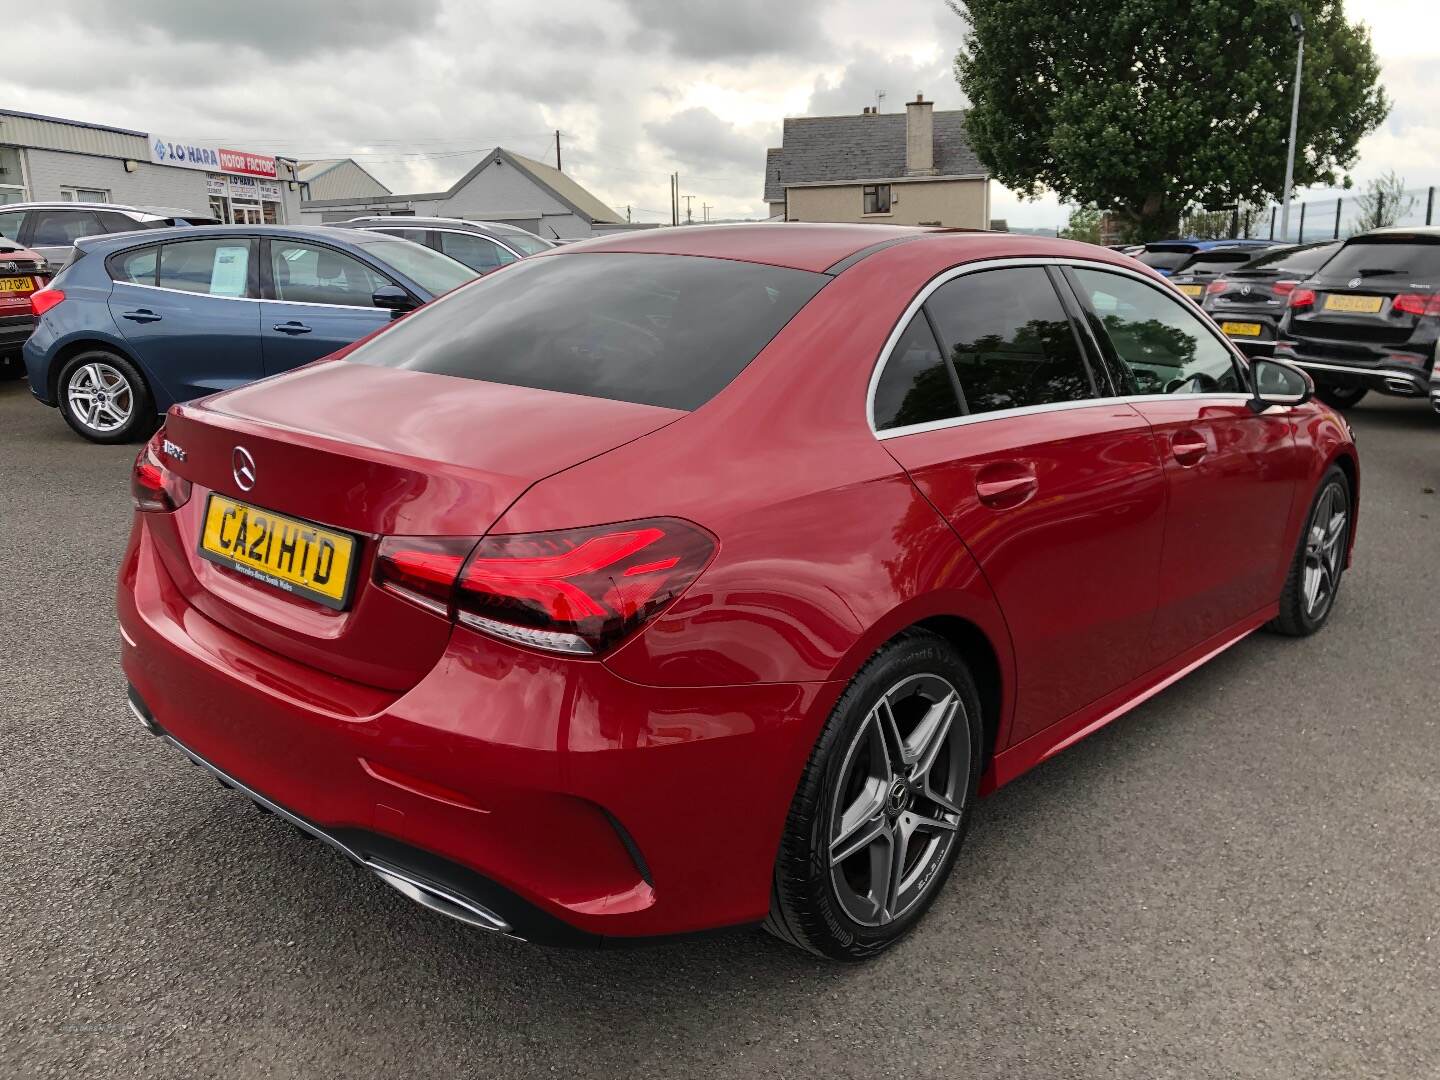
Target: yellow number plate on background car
[[1192, 290], [283, 552], [17, 284], [1241, 329], [1366, 305]]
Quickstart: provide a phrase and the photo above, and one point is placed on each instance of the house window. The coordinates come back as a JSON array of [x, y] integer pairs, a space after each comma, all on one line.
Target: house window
[[877, 198], [82, 194]]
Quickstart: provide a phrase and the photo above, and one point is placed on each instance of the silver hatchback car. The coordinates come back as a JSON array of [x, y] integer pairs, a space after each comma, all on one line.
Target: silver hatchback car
[[481, 245]]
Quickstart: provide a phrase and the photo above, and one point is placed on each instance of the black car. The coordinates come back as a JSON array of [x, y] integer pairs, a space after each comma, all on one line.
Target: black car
[[1193, 275], [1249, 301], [1369, 319]]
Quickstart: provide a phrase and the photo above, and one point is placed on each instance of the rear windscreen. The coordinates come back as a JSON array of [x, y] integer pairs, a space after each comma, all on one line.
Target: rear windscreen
[[1163, 260], [1293, 260], [668, 330], [1385, 261], [1217, 262]]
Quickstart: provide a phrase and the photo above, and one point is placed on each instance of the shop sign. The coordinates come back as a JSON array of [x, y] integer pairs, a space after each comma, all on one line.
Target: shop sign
[[217, 185], [189, 155], [269, 191]]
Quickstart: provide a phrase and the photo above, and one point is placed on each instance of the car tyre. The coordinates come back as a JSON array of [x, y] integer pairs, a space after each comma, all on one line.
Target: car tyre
[[899, 761], [105, 399], [1313, 581], [1341, 397]]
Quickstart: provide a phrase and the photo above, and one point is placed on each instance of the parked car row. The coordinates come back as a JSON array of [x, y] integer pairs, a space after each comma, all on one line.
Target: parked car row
[[1360, 315], [22, 273]]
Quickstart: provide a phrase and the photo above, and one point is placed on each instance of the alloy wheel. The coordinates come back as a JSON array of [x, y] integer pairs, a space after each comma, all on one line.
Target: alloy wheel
[[1325, 542], [899, 801], [101, 397]]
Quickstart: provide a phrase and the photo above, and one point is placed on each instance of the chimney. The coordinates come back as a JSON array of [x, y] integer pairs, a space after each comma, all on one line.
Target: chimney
[[920, 137]]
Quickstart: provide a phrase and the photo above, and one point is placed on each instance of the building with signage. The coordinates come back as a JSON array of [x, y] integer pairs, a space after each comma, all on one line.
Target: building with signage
[[49, 159]]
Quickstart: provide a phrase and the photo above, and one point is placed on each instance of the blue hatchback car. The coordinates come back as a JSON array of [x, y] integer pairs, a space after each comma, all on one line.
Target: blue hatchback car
[[139, 321]]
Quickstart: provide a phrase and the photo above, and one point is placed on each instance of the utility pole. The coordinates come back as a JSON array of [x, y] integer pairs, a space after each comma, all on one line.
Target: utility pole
[[705, 209], [627, 211], [1297, 24], [557, 151], [689, 217], [675, 198]]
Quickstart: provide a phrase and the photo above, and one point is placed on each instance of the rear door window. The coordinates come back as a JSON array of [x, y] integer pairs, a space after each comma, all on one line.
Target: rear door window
[[668, 330], [1009, 340], [218, 267], [916, 386], [1386, 260]]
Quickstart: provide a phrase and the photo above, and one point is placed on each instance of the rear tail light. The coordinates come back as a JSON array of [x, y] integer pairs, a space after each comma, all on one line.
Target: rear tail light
[[578, 591], [1216, 286], [1302, 298], [154, 487], [1283, 289], [45, 299], [1416, 304]]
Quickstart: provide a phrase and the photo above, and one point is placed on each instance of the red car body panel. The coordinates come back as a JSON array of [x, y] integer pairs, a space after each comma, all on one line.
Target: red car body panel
[[690, 737]]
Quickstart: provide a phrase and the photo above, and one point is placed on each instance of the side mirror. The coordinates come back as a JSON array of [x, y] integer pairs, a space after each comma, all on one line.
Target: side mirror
[[1278, 383], [394, 300]]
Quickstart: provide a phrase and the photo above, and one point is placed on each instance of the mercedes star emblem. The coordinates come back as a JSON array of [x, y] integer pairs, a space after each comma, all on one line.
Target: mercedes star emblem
[[243, 465], [1354, 282]]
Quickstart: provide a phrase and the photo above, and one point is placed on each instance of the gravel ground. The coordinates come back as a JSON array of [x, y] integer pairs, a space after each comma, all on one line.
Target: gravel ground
[[1239, 879]]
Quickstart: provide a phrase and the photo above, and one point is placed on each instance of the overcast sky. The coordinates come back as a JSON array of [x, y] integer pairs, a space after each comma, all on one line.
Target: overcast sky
[[418, 90]]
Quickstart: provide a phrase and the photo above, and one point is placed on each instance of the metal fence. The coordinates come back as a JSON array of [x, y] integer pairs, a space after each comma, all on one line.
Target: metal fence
[[1335, 219]]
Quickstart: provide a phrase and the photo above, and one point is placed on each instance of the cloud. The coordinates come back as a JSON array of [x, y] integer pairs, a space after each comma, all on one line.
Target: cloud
[[900, 77], [734, 30], [282, 28], [704, 141]]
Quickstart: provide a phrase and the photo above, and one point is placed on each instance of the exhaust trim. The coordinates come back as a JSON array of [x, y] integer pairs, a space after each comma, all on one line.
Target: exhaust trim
[[423, 893]]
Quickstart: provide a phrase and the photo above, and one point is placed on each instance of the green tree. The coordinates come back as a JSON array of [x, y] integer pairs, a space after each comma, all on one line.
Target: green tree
[[1146, 108], [1084, 225], [1384, 202]]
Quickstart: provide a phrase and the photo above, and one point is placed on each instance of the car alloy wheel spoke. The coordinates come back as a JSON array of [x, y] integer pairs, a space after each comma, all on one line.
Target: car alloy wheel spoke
[[1324, 550], [897, 810], [101, 397]]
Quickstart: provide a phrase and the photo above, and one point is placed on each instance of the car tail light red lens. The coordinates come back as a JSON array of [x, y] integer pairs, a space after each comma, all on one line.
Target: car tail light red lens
[[1216, 286], [578, 591], [1282, 289], [45, 299], [154, 487], [1302, 298], [1416, 304]]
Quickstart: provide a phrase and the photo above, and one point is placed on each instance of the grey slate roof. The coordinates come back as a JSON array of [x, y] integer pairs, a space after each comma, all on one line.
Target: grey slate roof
[[864, 147]]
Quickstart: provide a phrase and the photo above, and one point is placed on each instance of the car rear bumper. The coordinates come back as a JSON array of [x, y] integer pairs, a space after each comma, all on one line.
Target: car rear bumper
[[1397, 380], [542, 797], [15, 330]]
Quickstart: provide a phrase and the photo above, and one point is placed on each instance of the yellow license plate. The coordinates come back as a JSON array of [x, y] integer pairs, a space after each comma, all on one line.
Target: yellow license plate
[[17, 284], [285, 553], [1241, 329], [1192, 290], [1365, 305]]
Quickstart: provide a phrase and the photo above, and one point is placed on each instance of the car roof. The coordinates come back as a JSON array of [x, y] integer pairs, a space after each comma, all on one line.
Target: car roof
[[191, 232], [405, 221]]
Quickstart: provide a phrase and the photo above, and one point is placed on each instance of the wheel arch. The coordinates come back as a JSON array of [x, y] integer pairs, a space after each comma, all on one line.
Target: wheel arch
[[68, 351]]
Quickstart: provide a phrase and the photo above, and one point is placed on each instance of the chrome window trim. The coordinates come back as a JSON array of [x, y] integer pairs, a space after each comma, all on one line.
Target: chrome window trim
[[458, 232], [981, 265]]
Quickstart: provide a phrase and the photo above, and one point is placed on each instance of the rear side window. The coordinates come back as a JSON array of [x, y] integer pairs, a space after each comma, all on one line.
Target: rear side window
[[117, 223], [219, 267], [476, 252], [668, 330], [138, 267], [915, 387], [10, 223], [1009, 340], [1387, 258]]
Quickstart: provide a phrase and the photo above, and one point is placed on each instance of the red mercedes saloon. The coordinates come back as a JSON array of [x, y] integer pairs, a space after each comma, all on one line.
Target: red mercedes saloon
[[706, 577]]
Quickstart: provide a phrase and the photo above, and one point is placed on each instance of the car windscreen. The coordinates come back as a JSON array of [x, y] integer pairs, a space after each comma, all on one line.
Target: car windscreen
[[1386, 259], [433, 272], [1216, 262], [524, 242], [1164, 260], [1293, 260], [668, 330]]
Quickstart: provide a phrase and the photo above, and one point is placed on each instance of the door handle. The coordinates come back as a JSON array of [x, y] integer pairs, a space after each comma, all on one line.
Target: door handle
[[291, 327], [1189, 447], [1005, 484], [140, 315]]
